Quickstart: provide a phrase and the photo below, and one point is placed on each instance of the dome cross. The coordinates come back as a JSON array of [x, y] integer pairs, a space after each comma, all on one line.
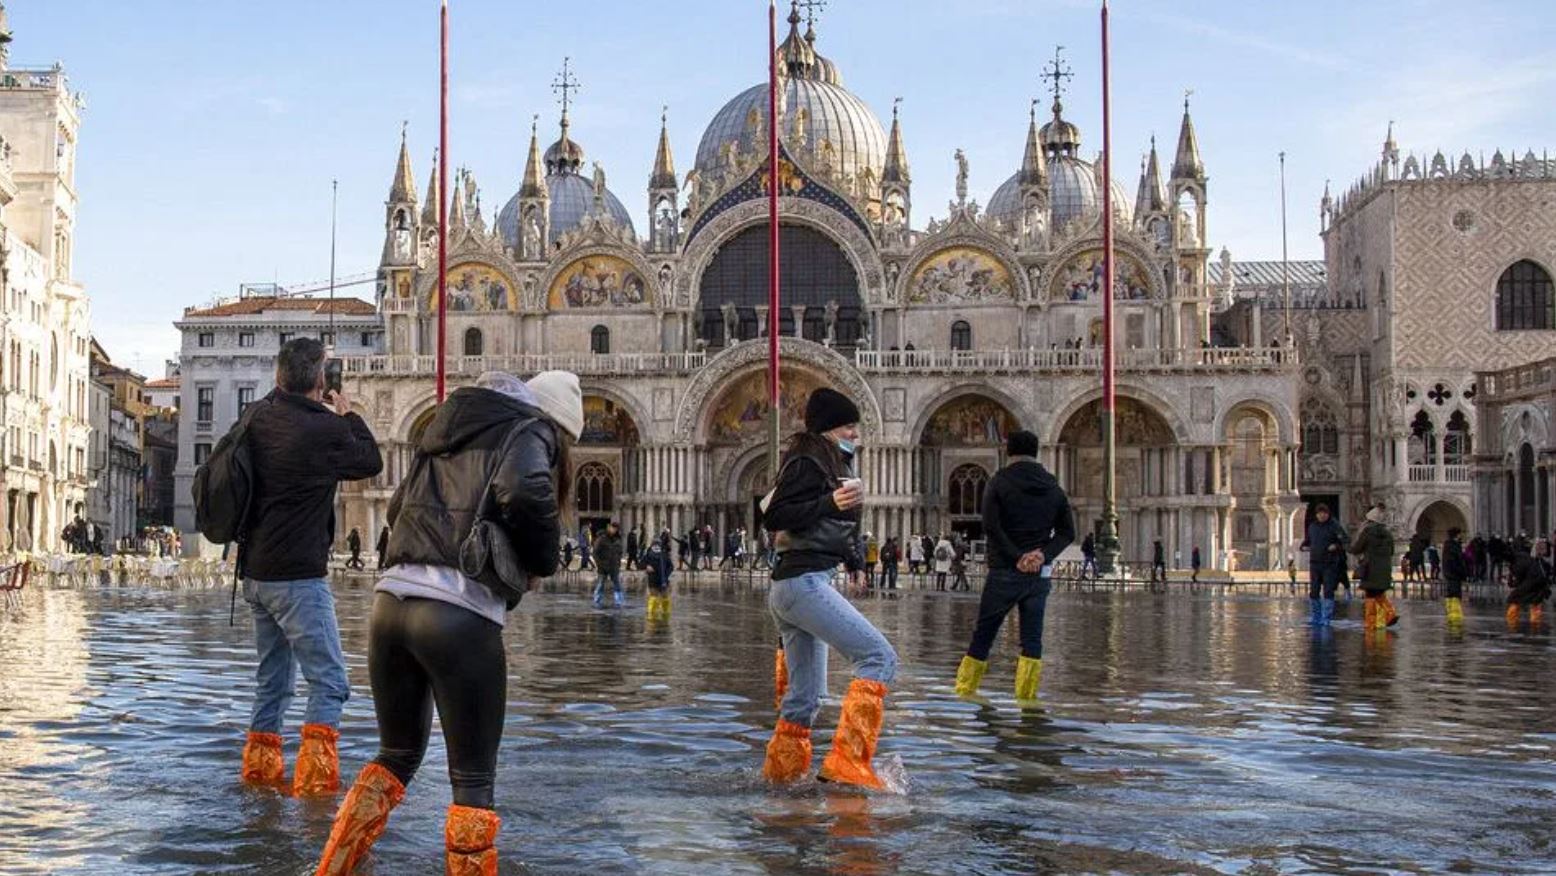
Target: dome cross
[[1059, 72], [565, 84]]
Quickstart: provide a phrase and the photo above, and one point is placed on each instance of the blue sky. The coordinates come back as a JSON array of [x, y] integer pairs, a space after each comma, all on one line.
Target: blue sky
[[214, 127]]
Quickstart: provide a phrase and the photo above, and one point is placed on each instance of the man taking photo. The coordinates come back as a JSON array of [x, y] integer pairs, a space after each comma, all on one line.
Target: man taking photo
[[301, 449]]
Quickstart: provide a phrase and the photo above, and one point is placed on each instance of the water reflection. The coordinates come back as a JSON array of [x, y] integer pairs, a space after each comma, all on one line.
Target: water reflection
[[1175, 734]]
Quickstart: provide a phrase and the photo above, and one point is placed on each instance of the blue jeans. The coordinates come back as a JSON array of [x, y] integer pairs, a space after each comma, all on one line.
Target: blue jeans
[[599, 586], [811, 615], [294, 623]]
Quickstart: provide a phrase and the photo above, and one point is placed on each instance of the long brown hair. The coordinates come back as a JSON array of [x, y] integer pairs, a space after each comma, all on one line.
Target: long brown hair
[[564, 471]]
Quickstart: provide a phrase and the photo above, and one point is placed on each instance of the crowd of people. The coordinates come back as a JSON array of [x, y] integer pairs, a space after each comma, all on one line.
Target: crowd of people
[[478, 517]]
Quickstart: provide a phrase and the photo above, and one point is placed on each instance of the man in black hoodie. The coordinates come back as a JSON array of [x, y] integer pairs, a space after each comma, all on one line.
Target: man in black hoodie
[[1027, 520]]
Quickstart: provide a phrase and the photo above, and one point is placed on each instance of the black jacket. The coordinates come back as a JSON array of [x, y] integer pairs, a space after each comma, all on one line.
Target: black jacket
[[1320, 536], [435, 506], [607, 552], [301, 450], [1530, 583], [815, 535], [1453, 561], [1025, 509]]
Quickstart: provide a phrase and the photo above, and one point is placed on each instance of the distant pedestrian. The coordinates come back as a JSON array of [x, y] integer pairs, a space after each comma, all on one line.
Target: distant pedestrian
[[1529, 583], [383, 546], [1193, 564], [354, 544], [607, 555], [891, 555], [1454, 570], [1088, 556], [1375, 544], [944, 554], [1158, 562]]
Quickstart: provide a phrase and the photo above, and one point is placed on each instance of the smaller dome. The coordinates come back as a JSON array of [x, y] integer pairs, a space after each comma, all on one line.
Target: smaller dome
[[564, 155], [1073, 193], [1060, 136]]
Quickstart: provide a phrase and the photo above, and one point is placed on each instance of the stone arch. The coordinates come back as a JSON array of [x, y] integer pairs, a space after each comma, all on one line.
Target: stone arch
[[965, 389], [427, 282], [1276, 409], [633, 408], [1434, 514], [962, 234], [420, 406], [1162, 407], [1523, 424], [857, 246], [1053, 275], [710, 382]]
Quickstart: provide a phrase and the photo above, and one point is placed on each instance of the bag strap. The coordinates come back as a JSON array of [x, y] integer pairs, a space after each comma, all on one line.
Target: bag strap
[[502, 454]]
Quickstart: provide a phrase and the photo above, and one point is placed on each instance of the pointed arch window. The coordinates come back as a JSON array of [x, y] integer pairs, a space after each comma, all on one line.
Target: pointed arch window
[[961, 335], [600, 340], [1457, 445], [1422, 443], [966, 491], [1320, 434], [1524, 299], [474, 343], [595, 488]]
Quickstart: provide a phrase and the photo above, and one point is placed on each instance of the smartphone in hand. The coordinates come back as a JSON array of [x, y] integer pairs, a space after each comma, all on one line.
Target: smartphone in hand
[[333, 369]]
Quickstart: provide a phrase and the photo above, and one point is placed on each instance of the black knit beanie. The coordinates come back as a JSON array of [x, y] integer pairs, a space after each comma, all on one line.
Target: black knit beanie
[[1021, 443], [829, 409]]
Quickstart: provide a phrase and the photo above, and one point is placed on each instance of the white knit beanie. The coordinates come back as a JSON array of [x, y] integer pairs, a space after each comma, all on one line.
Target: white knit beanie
[[561, 398]]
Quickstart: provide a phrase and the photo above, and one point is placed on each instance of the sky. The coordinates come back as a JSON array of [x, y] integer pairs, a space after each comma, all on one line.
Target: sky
[[214, 128]]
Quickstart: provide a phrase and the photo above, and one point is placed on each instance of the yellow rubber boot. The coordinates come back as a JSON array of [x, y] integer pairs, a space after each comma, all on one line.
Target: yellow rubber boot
[[1029, 673], [318, 762], [263, 763], [651, 608], [361, 820], [788, 753], [780, 678], [969, 675], [1455, 607], [471, 838], [858, 732]]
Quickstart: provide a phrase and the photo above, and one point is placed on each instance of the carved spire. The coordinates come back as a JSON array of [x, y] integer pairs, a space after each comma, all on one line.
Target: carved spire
[[5, 38], [1187, 164], [1034, 167], [896, 170], [456, 210], [534, 184], [1150, 198], [429, 213], [403, 190], [1390, 148], [663, 176]]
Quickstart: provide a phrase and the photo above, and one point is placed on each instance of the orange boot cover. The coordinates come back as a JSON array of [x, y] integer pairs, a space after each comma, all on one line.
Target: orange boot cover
[[1536, 614], [780, 679], [858, 730], [471, 836], [361, 820], [788, 754], [1512, 615], [1370, 614], [262, 761], [1390, 616], [318, 764]]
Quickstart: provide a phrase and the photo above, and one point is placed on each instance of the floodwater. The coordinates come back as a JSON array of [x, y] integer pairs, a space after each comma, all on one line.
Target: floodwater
[[1177, 734]]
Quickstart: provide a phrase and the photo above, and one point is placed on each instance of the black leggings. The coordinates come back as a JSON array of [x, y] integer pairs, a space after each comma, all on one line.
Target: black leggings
[[421, 651]]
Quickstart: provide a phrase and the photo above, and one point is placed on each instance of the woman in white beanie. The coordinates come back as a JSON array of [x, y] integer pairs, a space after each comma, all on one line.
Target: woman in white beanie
[[491, 470]]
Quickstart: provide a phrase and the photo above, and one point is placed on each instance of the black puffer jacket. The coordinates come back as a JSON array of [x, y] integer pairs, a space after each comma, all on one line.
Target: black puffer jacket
[[434, 508]]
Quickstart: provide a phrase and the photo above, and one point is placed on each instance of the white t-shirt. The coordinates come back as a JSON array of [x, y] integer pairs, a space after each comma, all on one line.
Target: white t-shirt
[[444, 584]]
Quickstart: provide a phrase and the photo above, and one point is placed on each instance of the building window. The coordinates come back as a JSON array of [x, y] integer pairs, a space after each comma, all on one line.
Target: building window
[[961, 335], [1456, 440], [327, 338], [1524, 299], [367, 339], [474, 344], [202, 453], [205, 406], [595, 490], [283, 337], [1422, 442], [1319, 432], [600, 340], [207, 339], [966, 491], [245, 339], [245, 398]]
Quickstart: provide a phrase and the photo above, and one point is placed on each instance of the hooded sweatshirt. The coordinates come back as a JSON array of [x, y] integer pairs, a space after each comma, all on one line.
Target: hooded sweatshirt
[[1024, 509]]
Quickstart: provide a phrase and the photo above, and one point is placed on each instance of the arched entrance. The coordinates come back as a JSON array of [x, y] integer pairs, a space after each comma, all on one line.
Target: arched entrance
[[736, 435], [1253, 448], [818, 280], [1437, 518], [1526, 491], [962, 442], [608, 472], [1145, 447]]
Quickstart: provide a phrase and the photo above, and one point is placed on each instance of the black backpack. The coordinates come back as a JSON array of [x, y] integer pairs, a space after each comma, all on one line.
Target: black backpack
[[224, 486]]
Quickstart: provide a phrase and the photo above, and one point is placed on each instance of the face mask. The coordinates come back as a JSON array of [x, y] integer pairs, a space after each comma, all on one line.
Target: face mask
[[848, 447]]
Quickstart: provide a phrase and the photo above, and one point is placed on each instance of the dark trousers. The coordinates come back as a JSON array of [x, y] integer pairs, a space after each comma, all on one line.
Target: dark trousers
[[1158, 566], [1004, 590], [1453, 589], [422, 652], [1322, 579], [890, 574]]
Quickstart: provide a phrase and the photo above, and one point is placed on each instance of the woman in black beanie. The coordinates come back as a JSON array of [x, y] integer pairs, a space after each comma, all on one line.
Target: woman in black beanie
[[813, 513]]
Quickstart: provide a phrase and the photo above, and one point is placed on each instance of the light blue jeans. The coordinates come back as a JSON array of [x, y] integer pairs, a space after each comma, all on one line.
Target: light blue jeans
[[599, 587], [811, 615], [294, 623]]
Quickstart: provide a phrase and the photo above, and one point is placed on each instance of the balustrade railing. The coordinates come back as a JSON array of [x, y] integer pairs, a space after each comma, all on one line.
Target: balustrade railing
[[986, 361], [615, 364]]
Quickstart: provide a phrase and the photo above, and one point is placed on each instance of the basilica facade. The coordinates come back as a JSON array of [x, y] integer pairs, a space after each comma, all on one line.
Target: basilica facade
[[948, 335]]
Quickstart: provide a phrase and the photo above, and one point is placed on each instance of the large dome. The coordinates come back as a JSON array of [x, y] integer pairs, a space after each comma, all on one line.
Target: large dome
[[832, 113], [815, 86], [572, 196], [1074, 192]]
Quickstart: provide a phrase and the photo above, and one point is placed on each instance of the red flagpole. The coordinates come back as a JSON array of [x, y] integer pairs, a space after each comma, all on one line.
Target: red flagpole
[[774, 318], [442, 200], [1107, 553]]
